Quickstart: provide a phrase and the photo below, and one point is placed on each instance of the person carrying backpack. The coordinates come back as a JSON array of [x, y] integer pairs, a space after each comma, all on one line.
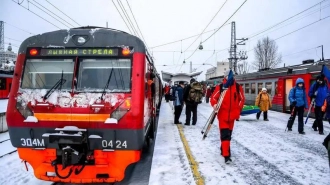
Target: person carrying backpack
[[229, 111], [264, 103], [318, 92], [178, 102], [193, 94], [298, 102]]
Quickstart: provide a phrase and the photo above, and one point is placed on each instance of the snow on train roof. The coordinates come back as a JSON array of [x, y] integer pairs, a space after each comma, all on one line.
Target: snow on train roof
[[96, 37]]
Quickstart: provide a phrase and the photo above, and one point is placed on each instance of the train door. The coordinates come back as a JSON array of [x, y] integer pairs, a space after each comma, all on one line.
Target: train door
[[288, 86]]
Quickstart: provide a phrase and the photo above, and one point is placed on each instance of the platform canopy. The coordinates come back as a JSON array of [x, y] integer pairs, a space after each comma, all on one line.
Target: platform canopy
[[176, 77]]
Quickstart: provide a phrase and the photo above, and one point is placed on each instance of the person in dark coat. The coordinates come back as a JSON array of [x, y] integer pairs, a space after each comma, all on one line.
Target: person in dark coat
[[191, 106], [178, 102], [298, 101], [318, 92]]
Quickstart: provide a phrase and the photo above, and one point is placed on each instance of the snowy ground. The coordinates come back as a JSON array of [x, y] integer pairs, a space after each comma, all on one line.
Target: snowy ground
[[262, 153]]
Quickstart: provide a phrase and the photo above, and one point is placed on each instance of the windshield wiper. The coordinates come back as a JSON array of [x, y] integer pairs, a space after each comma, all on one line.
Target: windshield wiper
[[58, 84], [106, 85]]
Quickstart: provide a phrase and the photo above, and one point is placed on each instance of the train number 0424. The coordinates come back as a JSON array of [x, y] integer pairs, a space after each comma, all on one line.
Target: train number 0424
[[111, 144], [32, 142]]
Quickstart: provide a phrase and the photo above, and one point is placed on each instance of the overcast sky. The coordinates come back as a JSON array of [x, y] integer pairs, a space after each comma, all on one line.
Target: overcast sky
[[166, 21]]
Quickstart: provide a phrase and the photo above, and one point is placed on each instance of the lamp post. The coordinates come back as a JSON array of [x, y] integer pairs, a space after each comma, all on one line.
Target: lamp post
[[322, 52]]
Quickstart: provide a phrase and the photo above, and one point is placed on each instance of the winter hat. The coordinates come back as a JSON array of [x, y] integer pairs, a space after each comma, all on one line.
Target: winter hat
[[320, 77], [264, 89], [192, 80]]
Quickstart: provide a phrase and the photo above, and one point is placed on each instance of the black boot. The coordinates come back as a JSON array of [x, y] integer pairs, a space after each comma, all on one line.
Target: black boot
[[228, 160]]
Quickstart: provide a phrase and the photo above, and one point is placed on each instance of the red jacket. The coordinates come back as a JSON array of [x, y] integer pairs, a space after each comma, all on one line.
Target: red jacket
[[167, 89], [232, 103]]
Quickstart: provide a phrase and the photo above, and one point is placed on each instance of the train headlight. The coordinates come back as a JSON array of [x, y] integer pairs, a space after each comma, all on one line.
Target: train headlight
[[123, 108], [25, 111], [81, 40]]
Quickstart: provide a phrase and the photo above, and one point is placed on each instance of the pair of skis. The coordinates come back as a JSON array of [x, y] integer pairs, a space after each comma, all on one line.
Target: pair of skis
[[310, 107], [213, 115]]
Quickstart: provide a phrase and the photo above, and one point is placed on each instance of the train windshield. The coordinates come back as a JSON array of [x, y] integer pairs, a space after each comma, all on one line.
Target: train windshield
[[94, 75], [45, 73]]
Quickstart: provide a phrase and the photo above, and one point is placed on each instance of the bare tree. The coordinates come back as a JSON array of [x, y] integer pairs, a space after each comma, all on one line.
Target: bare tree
[[266, 54], [243, 68]]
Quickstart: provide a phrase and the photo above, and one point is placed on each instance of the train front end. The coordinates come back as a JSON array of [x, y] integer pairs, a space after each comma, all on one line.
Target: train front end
[[78, 108]]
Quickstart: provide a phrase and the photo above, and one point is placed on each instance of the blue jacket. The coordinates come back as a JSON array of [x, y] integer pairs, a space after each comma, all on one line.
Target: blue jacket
[[328, 104], [321, 93], [178, 94], [300, 96]]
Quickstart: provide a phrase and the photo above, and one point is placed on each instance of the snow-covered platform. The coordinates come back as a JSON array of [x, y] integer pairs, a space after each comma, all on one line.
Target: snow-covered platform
[[262, 152]]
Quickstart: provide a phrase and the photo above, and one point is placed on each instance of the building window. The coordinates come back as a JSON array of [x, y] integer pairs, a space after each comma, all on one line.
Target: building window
[[247, 88], [224, 69], [260, 86], [269, 87], [253, 88]]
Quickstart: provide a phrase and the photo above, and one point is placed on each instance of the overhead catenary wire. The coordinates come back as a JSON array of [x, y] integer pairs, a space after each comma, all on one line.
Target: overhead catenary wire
[[13, 39], [122, 17], [137, 24], [36, 14], [207, 25], [219, 27], [62, 12], [49, 14], [269, 28], [53, 13], [300, 51], [127, 17], [297, 30], [19, 28]]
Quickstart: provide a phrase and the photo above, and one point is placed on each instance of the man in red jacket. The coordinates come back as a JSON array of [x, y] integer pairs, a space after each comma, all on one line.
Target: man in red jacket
[[229, 111]]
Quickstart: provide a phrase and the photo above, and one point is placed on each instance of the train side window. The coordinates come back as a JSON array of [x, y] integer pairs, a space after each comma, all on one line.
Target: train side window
[[253, 88], [276, 88], [247, 88], [260, 85], [269, 87], [2, 83]]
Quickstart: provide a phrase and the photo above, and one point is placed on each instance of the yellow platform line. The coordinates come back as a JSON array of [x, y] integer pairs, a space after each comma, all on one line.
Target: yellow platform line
[[193, 164]]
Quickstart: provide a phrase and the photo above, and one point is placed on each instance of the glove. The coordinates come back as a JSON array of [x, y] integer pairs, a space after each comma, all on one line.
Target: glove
[[294, 103]]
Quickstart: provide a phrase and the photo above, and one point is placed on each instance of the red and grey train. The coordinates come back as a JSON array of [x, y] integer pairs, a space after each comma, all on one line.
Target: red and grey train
[[278, 82], [5, 85], [83, 104]]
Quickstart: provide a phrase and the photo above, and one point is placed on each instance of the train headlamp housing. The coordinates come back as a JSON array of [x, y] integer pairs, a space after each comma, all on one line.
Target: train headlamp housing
[[80, 40], [122, 109], [25, 111]]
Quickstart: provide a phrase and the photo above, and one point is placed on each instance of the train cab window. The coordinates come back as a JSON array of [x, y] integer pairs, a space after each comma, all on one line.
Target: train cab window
[[94, 74], [3, 84], [260, 86], [45, 73], [276, 88], [247, 88], [253, 88], [269, 87]]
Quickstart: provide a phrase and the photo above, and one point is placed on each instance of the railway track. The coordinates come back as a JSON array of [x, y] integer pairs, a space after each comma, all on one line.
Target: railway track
[[6, 148]]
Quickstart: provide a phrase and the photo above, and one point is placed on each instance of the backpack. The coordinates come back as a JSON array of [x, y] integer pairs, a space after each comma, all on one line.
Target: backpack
[[196, 92]]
